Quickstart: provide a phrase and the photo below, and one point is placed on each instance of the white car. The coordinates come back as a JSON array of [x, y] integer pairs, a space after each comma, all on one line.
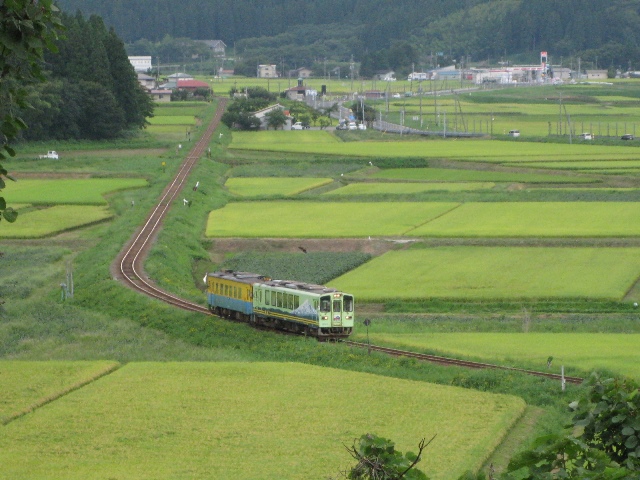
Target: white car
[[586, 136], [297, 126], [352, 126], [362, 126]]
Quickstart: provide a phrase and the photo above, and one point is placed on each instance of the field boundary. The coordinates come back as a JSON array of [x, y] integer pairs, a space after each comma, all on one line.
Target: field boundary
[[55, 396], [406, 232]]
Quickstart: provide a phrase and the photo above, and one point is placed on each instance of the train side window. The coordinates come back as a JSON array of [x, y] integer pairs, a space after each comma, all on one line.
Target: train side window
[[348, 303], [296, 302], [280, 302], [273, 298], [315, 304], [325, 304], [226, 290], [267, 297]]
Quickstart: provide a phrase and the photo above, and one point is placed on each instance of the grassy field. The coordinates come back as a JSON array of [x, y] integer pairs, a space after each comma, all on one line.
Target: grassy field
[[180, 424], [320, 219], [407, 188], [52, 220], [495, 273], [27, 385], [585, 351], [536, 219], [283, 137], [458, 175], [586, 165], [80, 191], [468, 150], [259, 187]]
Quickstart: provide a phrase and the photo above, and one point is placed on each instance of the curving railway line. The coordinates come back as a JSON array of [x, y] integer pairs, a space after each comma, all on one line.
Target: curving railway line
[[129, 264]]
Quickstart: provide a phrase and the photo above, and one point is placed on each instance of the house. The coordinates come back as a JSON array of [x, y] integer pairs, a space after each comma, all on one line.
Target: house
[[160, 95], [562, 73], [174, 77], [373, 94], [385, 75], [141, 63], [267, 71], [146, 81], [217, 47], [297, 93], [302, 72], [192, 85], [597, 75], [262, 116]]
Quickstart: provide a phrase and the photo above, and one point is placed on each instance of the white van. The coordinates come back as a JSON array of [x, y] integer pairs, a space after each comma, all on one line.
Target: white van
[[514, 133], [586, 136]]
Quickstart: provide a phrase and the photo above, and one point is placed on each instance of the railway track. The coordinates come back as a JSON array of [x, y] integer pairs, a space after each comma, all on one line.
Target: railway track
[[128, 266], [458, 363]]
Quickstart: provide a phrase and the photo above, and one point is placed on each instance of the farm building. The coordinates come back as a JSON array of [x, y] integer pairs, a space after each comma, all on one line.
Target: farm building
[[217, 47], [262, 116], [146, 81], [160, 95], [302, 72], [141, 63], [267, 71], [597, 74], [192, 85], [385, 76]]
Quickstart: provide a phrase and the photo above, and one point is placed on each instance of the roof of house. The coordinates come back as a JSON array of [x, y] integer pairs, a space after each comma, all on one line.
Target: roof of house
[[180, 75], [160, 92], [142, 76], [297, 89], [192, 84], [213, 43]]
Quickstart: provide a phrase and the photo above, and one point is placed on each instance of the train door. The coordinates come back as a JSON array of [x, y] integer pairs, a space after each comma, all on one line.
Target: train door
[[336, 314]]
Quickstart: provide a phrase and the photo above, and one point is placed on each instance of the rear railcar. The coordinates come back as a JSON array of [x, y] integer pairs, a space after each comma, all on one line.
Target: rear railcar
[[230, 294]]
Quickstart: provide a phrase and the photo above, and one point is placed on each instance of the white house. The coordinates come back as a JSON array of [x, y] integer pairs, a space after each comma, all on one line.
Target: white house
[[141, 63], [267, 71]]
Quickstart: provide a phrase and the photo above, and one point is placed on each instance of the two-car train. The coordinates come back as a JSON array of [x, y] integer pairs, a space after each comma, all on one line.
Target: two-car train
[[315, 310]]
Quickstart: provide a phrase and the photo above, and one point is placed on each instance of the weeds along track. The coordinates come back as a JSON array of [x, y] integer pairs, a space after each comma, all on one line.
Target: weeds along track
[[459, 363], [129, 264]]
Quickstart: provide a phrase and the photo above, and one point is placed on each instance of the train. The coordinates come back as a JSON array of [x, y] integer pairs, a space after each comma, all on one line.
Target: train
[[298, 307]]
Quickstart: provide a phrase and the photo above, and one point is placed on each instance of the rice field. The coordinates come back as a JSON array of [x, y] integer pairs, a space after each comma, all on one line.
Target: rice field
[[456, 175], [195, 420], [584, 351], [78, 191], [282, 219], [282, 137], [260, 187], [407, 188], [536, 219], [172, 120], [24, 385], [49, 221], [467, 272], [465, 150], [584, 165]]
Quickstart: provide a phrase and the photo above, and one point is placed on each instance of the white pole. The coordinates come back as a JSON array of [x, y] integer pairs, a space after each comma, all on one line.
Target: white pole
[[564, 382]]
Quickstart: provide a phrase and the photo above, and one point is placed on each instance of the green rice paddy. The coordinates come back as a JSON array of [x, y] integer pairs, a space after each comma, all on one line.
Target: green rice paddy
[[320, 219], [407, 188], [195, 420], [459, 175], [52, 220], [81, 191], [495, 273], [258, 187]]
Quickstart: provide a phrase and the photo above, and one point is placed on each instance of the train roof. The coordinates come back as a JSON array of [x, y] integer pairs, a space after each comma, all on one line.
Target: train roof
[[247, 277], [243, 277], [297, 285]]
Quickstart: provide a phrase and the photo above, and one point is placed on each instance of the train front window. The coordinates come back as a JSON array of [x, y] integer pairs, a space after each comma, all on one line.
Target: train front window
[[337, 306], [325, 304], [348, 303]]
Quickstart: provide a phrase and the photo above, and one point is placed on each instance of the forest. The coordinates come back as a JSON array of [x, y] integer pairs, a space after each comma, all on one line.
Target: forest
[[91, 90], [603, 32]]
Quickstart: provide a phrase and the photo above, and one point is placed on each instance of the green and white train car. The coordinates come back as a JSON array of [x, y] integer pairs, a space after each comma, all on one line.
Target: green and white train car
[[317, 310]]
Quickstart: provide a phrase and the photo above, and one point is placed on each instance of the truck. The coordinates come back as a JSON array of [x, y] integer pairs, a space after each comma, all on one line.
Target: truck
[[417, 76], [50, 154]]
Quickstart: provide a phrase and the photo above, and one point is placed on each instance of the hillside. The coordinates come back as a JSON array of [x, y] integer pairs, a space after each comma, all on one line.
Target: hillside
[[602, 32]]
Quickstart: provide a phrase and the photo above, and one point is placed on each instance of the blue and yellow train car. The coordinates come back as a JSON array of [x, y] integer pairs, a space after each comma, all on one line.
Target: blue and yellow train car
[[230, 294]]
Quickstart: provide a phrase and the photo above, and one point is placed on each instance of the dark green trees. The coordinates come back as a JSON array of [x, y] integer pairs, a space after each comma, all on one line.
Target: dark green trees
[[92, 92]]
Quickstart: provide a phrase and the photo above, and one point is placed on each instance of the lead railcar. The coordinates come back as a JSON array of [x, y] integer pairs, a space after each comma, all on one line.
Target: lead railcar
[[316, 310]]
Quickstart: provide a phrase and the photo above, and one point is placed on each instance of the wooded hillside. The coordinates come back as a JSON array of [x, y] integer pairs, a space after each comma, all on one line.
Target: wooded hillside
[[302, 32]]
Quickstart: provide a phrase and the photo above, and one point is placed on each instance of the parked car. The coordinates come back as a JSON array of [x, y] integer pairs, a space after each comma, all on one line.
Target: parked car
[[353, 126], [50, 154], [514, 133], [299, 126], [341, 126], [626, 136], [362, 126], [586, 136]]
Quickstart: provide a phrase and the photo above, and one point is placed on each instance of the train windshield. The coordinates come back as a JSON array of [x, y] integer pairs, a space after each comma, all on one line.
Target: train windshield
[[337, 306], [348, 303], [325, 304]]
